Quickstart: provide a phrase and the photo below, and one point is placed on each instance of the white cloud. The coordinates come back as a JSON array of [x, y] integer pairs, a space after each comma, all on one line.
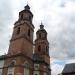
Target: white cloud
[[56, 69], [70, 61], [56, 66]]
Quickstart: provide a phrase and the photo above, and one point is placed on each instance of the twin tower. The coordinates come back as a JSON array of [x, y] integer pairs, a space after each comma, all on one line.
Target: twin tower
[[21, 59]]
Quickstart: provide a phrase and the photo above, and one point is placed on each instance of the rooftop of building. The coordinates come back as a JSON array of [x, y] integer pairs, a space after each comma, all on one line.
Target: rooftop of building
[[69, 68]]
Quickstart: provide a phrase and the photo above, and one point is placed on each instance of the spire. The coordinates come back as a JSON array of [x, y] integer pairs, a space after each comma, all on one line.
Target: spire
[[27, 7], [41, 26]]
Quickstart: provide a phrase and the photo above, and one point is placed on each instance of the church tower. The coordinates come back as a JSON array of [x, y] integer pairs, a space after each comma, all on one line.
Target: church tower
[[41, 54], [19, 61], [22, 38]]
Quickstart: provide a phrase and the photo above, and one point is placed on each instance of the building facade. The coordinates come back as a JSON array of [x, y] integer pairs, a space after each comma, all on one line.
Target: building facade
[[20, 59]]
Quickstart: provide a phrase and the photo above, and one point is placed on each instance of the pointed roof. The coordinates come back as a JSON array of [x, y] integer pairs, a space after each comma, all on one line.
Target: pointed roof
[[41, 26], [27, 7], [41, 29]]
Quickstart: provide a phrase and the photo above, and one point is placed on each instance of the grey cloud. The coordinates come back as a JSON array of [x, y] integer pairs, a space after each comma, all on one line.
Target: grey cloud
[[61, 29], [65, 41], [6, 17], [62, 42]]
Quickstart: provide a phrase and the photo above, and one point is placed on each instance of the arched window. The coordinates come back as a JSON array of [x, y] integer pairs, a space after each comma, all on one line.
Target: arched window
[[36, 74], [39, 35], [39, 48], [12, 63], [18, 30], [26, 65], [26, 69], [29, 32], [11, 71], [47, 50], [45, 35], [30, 18], [21, 16], [11, 68]]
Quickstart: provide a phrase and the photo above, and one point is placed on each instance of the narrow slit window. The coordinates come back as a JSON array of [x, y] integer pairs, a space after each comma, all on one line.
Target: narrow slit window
[[47, 50], [39, 48], [39, 35], [18, 30], [10, 74], [29, 32], [30, 18], [36, 74], [21, 16]]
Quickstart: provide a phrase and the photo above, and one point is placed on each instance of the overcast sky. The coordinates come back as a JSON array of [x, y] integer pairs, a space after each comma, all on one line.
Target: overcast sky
[[58, 17]]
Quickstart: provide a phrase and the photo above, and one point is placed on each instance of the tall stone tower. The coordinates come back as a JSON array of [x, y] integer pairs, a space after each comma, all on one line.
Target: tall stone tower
[[19, 58], [41, 54], [22, 38]]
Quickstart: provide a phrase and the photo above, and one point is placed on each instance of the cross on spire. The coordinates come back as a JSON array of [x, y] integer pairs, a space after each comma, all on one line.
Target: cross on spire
[[41, 26]]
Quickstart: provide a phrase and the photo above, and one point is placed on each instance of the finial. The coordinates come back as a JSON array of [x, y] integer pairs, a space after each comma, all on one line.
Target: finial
[[27, 7], [41, 26], [27, 3], [41, 23]]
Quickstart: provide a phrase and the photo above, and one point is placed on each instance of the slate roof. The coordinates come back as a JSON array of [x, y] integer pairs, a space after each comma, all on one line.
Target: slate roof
[[69, 68]]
